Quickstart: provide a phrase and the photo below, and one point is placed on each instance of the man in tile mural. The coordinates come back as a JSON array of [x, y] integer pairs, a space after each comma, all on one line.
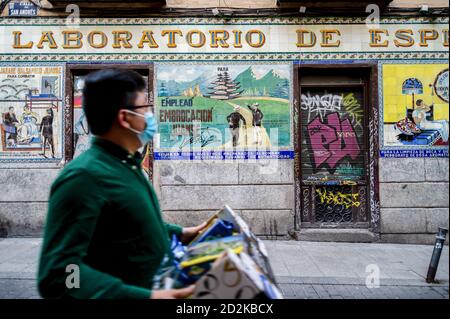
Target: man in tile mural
[[10, 122], [256, 122], [234, 121], [46, 129]]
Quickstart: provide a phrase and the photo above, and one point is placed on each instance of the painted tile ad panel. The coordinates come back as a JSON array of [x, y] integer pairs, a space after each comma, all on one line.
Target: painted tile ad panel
[[415, 110], [231, 111], [31, 110]]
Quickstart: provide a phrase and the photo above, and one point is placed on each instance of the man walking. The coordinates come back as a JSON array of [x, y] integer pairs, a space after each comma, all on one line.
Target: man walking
[[104, 224]]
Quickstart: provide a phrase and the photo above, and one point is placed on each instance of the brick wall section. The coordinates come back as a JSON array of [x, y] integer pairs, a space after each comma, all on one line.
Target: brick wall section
[[414, 198], [23, 200], [189, 192], [413, 194], [263, 193]]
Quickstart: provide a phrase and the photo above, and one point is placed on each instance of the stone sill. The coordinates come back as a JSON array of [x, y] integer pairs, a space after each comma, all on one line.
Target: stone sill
[[336, 235]]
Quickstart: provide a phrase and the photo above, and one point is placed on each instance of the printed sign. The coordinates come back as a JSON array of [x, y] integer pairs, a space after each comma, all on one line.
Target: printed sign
[[22, 9], [214, 35]]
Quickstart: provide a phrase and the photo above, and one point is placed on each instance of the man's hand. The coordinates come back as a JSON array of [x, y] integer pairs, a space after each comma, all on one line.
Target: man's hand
[[173, 293], [189, 233]]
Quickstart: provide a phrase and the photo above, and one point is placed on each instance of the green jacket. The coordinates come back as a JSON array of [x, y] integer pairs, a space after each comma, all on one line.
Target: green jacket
[[104, 218]]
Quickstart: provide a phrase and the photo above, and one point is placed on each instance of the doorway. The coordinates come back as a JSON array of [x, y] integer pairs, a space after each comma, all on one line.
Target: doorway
[[335, 169], [77, 134]]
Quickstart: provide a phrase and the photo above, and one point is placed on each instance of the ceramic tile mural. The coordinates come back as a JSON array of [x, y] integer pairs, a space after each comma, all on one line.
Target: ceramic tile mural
[[415, 109], [411, 53], [219, 111], [31, 108]]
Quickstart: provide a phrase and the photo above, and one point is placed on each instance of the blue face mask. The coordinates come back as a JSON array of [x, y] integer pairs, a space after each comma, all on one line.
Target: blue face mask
[[151, 127]]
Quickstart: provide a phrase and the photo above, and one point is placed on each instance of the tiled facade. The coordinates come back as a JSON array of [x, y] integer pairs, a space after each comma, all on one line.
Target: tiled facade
[[407, 194]]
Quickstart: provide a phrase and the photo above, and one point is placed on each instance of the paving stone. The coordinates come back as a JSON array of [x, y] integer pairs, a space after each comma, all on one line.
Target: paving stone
[[321, 292]]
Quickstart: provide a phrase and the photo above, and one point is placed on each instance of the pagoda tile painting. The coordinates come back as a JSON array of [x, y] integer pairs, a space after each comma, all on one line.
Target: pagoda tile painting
[[211, 108], [224, 88]]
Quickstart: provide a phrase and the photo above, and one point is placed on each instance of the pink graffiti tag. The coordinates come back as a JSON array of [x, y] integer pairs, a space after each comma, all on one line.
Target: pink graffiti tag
[[333, 141]]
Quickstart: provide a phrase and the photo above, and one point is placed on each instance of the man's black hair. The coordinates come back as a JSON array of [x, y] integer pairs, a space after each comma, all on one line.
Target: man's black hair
[[107, 91]]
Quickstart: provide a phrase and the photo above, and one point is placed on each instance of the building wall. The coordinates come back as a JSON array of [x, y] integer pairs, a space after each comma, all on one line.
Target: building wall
[[414, 198], [413, 191], [262, 193], [146, 8], [217, 4], [273, 4], [418, 3], [412, 205], [23, 200]]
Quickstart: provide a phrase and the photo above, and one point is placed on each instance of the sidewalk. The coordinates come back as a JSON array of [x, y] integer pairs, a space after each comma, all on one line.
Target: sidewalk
[[303, 269], [338, 270]]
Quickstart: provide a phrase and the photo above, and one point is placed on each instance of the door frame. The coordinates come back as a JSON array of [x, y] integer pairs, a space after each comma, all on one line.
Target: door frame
[[372, 137], [73, 69]]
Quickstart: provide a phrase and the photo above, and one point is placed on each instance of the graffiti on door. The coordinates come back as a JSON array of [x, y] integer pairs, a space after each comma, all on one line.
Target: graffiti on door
[[338, 204], [332, 136], [319, 105], [338, 198], [332, 141]]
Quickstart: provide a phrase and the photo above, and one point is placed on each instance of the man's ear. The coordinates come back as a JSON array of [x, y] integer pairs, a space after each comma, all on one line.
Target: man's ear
[[121, 119]]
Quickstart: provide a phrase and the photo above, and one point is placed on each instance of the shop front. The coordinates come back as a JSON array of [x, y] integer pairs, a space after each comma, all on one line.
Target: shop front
[[305, 126]]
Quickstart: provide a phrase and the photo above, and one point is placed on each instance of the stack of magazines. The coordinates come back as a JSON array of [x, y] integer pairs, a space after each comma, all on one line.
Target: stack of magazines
[[225, 261]]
